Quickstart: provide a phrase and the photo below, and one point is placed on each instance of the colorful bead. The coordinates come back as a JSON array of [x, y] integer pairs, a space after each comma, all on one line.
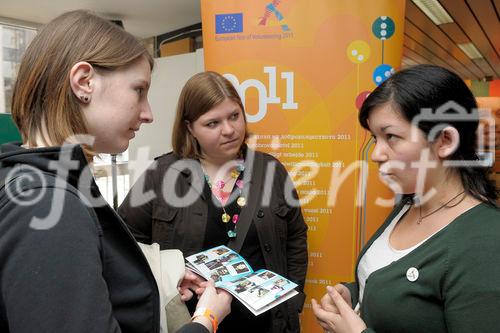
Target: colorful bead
[[220, 184], [235, 174], [217, 190], [225, 217], [241, 201]]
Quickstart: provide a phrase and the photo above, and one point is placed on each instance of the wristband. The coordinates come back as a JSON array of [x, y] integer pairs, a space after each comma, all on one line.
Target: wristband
[[205, 312]]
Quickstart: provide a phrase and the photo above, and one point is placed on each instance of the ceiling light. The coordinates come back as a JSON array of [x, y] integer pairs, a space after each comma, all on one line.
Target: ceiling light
[[434, 11], [470, 50]]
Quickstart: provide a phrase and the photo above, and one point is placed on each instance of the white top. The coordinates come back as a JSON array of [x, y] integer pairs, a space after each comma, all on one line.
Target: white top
[[381, 253]]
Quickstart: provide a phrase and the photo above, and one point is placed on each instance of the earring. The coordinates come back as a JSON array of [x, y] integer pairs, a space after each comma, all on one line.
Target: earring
[[84, 99]]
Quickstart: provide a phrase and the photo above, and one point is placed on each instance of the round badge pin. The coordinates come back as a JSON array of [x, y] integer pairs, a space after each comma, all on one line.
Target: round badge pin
[[412, 274]]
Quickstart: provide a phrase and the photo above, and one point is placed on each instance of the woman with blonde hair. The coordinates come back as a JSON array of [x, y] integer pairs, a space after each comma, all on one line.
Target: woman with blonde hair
[[68, 263]]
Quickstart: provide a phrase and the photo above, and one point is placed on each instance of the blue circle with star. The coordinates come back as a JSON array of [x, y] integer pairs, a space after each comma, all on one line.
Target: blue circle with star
[[383, 27]]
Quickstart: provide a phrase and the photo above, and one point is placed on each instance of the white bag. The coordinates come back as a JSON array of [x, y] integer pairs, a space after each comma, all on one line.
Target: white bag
[[168, 269]]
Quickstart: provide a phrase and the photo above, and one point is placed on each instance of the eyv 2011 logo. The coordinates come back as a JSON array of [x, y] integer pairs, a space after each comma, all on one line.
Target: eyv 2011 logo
[[267, 95]]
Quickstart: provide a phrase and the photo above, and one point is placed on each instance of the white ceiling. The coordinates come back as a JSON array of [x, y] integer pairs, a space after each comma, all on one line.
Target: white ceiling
[[142, 18]]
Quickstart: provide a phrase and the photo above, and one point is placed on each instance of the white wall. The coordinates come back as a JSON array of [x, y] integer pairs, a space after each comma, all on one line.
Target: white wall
[[169, 76]]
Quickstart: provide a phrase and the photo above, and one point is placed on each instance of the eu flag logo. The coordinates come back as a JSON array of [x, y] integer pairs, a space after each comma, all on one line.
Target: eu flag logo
[[228, 23]]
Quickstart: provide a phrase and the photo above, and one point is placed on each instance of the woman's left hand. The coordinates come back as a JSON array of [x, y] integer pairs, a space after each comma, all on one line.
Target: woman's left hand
[[346, 321], [191, 282]]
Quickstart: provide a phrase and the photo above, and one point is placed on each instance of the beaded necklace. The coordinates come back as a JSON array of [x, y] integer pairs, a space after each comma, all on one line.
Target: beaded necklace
[[217, 192]]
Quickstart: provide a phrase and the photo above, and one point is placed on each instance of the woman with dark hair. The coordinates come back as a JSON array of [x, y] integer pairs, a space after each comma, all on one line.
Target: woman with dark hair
[[213, 190], [433, 266]]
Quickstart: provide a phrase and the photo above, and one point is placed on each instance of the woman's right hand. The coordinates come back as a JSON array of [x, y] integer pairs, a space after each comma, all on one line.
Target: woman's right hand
[[342, 320], [327, 302], [328, 305], [216, 300]]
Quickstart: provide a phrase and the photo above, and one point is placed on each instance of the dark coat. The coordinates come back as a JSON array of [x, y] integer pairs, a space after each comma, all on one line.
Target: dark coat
[[280, 226], [80, 271]]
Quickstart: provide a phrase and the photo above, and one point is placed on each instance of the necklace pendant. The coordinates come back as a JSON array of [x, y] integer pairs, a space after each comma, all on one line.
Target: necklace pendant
[[226, 217], [419, 221], [231, 234]]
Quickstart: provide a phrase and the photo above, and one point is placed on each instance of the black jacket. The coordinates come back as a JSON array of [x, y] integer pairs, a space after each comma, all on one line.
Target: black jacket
[[68, 263], [280, 226]]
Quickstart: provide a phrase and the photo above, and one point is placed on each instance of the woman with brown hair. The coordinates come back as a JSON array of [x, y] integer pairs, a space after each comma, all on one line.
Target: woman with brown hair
[[213, 190], [68, 262]]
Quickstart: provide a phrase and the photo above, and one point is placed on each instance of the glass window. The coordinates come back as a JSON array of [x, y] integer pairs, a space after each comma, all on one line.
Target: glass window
[[103, 171], [13, 42]]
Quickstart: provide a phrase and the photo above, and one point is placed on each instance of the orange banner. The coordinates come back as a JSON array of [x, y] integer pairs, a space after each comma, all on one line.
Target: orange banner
[[303, 68]]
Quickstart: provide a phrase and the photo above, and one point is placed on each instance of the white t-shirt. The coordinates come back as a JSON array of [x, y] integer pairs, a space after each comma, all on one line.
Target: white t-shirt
[[381, 253]]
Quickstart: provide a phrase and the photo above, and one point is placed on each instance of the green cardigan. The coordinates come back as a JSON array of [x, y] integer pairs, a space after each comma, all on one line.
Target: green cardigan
[[458, 285]]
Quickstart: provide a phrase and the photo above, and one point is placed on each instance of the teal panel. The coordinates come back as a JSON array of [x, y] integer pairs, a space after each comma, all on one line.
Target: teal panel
[[8, 130], [480, 88]]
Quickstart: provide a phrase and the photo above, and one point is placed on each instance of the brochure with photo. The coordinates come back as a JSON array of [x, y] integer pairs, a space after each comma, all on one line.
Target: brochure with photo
[[259, 291]]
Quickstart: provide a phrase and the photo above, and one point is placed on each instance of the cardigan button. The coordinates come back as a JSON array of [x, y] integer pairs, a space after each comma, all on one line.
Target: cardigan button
[[260, 214], [267, 247]]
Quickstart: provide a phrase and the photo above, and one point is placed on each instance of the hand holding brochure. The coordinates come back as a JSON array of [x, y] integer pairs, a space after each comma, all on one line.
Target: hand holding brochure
[[259, 291]]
